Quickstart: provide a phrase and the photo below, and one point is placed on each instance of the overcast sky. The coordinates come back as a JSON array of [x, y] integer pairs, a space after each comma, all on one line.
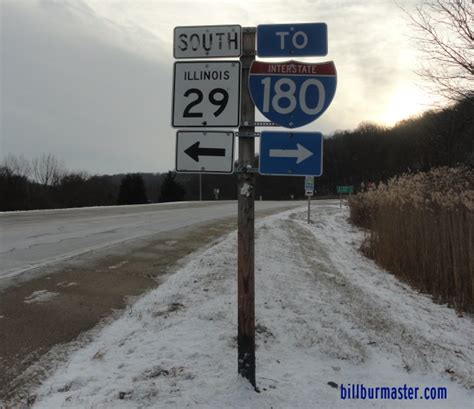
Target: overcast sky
[[90, 81]]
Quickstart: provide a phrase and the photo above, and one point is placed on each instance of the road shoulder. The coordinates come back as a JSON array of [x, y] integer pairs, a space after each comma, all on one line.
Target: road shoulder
[[72, 297]]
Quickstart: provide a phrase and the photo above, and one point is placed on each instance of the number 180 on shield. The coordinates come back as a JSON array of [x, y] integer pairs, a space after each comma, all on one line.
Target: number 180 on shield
[[292, 94]]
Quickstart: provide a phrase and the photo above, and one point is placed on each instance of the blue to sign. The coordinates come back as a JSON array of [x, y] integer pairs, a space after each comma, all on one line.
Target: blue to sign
[[292, 94], [291, 40], [291, 153]]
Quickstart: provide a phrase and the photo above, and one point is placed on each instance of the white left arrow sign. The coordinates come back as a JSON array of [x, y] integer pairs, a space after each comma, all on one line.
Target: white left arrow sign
[[205, 151], [300, 153]]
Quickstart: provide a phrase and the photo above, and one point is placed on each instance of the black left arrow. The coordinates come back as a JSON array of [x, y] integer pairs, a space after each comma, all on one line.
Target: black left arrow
[[194, 151]]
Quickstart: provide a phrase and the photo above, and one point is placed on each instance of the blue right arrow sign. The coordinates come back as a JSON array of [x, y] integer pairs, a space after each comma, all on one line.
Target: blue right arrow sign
[[291, 153]]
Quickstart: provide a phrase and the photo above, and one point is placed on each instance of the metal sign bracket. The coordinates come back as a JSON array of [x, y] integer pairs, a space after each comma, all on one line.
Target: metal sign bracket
[[262, 123], [247, 134], [245, 169]]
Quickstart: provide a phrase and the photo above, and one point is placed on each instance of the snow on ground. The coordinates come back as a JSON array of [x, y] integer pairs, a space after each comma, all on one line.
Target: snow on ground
[[40, 296], [324, 314], [115, 266], [66, 284]]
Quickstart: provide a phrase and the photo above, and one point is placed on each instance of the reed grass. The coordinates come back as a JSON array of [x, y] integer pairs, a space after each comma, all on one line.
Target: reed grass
[[421, 228]]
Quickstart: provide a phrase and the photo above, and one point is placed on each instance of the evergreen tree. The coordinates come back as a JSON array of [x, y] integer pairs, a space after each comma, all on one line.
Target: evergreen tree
[[171, 191], [132, 190], [13, 190]]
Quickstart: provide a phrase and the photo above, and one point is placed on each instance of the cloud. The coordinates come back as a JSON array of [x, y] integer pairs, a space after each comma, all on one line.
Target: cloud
[[91, 80], [367, 41], [72, 85]]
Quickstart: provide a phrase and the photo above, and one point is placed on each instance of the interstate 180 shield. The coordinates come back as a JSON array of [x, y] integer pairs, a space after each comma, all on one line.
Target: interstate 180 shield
[[292, 94]]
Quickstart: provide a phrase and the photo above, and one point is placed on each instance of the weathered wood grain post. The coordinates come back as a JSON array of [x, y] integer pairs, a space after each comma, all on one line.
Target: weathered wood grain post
[[246, 218]]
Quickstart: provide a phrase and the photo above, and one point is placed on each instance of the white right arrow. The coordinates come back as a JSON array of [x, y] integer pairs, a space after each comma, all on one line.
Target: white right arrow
[[301, 153]]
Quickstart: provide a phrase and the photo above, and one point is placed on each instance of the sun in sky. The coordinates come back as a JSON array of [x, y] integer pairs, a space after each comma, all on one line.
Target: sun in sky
[[404, 103]]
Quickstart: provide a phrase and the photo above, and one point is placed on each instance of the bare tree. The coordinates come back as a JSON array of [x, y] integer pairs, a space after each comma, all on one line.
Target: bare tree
[[17, 165], [445, 37], [47, 169]]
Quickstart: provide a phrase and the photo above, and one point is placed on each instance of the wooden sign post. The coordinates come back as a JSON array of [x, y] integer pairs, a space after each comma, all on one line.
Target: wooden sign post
[[246, 219]]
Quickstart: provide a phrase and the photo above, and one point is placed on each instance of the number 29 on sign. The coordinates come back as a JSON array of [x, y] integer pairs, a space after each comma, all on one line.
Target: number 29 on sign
[[221, 101], [206, 94]]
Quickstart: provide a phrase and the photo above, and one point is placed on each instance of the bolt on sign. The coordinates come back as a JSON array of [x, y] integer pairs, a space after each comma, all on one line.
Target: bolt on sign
[[207, 41]]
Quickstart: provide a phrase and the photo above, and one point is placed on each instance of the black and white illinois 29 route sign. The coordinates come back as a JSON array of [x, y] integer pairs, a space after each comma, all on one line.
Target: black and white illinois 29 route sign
[[207, 41], [206, 94], [205, 152]]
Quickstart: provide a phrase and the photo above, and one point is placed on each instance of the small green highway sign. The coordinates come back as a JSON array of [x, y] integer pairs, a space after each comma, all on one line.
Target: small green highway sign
[[345, 189]]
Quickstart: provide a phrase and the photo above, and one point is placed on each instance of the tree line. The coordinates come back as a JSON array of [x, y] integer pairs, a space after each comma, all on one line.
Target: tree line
[[369, 154]]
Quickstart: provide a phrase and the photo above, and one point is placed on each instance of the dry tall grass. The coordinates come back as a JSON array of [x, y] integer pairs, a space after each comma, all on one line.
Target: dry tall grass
[[421, 228]]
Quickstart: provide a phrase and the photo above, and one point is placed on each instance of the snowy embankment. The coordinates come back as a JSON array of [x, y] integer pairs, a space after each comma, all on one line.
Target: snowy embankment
[[324, 314]]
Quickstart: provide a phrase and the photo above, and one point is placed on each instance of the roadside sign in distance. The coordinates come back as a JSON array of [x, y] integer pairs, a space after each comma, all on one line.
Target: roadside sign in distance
[[309, 184], [206, 94], [207, 41], [291, 40], [292, 94], [205, 151], [345, 189], [291, 153]]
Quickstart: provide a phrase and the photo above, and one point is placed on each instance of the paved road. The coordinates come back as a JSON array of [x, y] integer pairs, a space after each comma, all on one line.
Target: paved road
[[29, 240]]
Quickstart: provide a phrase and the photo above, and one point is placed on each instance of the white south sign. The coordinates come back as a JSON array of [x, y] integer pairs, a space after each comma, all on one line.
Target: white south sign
[[205, 151], [207, 41], [206, 94]]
